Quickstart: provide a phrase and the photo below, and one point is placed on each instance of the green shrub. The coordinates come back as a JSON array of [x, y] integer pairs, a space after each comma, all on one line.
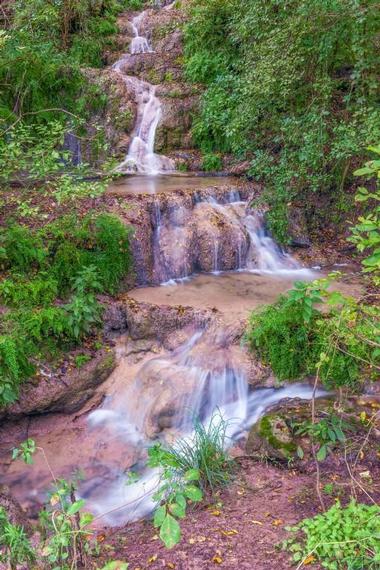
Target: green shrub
[[14, 366], [366, 234], [17, 292], [340, 538], [211, 162], [187, 468], [289, 92], [205, 451], [297, 339], [68, 260], [23, 249], [81, 359], [111, 254], [43, 322]]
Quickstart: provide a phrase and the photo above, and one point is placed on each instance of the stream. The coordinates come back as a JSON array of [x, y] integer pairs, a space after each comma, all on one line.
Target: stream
[[205, 246]]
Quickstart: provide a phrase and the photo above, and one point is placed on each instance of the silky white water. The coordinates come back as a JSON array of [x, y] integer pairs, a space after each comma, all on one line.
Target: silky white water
[[141, 156], [173, 390], [192, 239]]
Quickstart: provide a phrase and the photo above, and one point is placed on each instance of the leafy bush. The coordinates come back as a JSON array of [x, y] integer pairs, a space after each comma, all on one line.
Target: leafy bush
[[211, 162], [69, 259], [65, 539], [188, 468], [291, 86], [22, 249], [17, 292], [205, 452], [296, 338], [342, 537], [14, 366], [327, 432], [366, 234]]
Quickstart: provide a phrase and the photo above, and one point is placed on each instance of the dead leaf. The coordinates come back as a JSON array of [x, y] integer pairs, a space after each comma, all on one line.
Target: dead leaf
[[170, 565], [229, 532], [54, 499], [217, 559], [277, 522], [215, 513], [152, 558], [257, 522], [309, 560]]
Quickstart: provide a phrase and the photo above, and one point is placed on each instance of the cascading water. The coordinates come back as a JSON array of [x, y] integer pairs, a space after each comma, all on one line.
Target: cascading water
[[168, 393], [211, 235], [141, 157]]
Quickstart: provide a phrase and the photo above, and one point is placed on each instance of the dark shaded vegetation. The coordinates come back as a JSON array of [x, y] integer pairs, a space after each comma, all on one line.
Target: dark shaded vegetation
[[293, 87], [52, 276]]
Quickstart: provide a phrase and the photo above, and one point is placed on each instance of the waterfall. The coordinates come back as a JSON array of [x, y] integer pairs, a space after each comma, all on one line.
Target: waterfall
[[141, 157], [172, 390], [139, 43], [213, 235]]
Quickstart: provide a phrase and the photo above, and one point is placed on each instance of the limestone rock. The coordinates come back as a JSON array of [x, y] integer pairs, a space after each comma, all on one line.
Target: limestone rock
[[66, 395]]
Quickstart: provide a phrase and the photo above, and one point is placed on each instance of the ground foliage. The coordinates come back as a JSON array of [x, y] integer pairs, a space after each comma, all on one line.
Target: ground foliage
[[341, 538], [292, 86], [296, 337], [52, 276]]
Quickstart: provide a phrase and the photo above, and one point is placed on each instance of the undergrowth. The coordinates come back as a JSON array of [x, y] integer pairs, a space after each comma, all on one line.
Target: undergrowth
[[52, 277], [341, 538], [291, 87], [194, 465], [295, 336]]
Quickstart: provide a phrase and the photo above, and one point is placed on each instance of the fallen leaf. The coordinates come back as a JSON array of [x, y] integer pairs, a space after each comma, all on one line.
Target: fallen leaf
[[152, 558], [170, 565], [229, 532], [309, 560], [365, 475], [54, 499], [257, 522], [215, 513], [277, 522], [217, 559]]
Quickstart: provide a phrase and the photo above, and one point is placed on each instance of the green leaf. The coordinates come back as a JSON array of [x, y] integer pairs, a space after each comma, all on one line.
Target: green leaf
[[177, 510], [170, 532], [300, 452], [193, 493], [192, 475], [180, 499], [159, 516], [322, 453], [86, 519], [75, 507]]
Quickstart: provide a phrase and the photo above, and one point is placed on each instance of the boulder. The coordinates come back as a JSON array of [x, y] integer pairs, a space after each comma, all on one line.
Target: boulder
[[272, 437], [65, 395]]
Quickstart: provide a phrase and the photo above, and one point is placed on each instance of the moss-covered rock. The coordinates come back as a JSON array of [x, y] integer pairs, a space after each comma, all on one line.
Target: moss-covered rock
[[273, 437]]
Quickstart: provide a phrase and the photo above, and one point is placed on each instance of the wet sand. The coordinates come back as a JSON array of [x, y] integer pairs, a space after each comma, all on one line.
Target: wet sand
[[233, 294]]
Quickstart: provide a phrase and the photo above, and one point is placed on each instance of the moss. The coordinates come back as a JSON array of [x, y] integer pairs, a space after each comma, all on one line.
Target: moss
[[266, 431], [108, 361]]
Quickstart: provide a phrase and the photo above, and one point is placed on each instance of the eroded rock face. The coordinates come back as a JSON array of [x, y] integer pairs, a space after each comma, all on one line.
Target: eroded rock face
[[13, 510], [146, 321], [66, 394], [175, 233]]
